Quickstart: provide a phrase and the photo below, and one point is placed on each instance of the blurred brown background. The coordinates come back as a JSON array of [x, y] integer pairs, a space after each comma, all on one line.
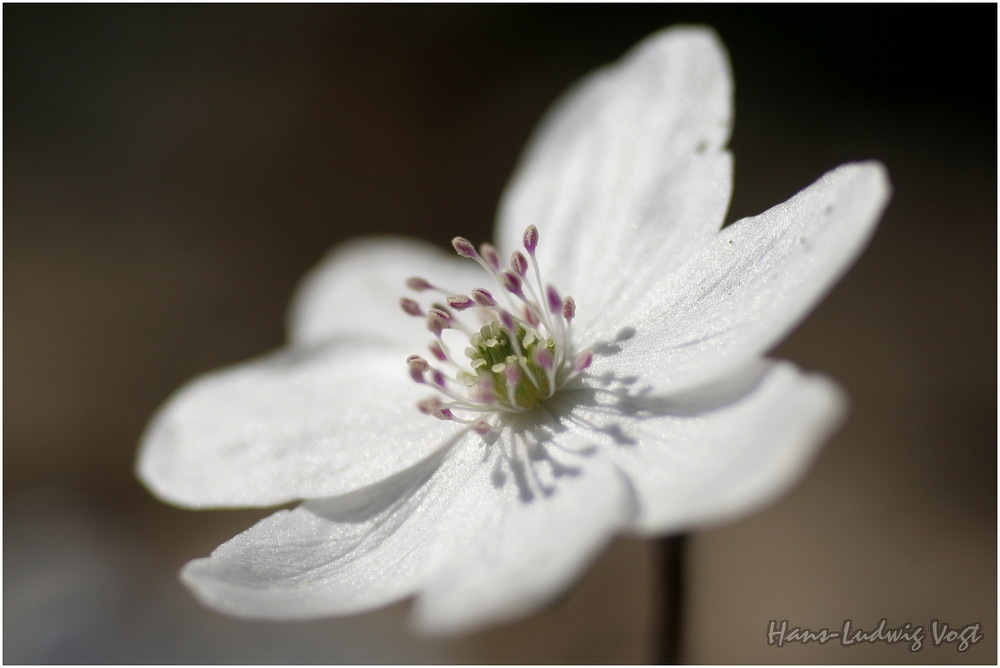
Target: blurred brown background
[[170, 172]]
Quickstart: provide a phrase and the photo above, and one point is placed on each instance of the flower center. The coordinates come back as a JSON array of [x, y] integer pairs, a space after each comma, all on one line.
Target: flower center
[[518, 351]]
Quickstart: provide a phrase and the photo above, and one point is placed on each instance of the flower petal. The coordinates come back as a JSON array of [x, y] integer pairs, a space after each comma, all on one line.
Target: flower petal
[[515, 539], [335, 556], [356, 290], [631, 165], [475, 546], [721, 451], [744, 291], [295, 424]]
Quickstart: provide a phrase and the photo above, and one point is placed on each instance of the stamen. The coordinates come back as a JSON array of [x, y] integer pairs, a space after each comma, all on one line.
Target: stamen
[[464, 247], [569, 308], [555, 301], [442, 307], [511, 283], [411, 307], [513, 375], [418, 284], [418, 362], [437, 351], [438, 320], [486, 394], [489, 253], [460, 302], [583, 360], [519, 263], [507, 320], [483, 298], [543, 357], [430, 405], [530, 316], [531, 239]]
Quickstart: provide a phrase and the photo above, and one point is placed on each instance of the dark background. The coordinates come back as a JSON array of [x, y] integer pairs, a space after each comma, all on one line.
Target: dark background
[[170, 173]]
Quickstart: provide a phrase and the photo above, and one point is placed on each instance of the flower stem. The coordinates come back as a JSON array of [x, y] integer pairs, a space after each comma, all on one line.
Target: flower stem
[[672, 554]]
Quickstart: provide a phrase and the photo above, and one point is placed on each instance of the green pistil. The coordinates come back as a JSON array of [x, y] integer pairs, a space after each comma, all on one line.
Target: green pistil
[[492, 351]]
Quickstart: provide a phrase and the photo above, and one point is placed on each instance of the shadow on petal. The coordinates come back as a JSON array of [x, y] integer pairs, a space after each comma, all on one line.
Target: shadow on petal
[[533, 454], [613, 347], [382, 497]]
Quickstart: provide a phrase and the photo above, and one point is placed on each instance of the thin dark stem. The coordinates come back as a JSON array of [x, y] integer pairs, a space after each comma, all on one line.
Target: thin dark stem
[[672, 551]]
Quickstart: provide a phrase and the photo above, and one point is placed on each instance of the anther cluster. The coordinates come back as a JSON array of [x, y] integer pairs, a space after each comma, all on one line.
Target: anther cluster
[[519, 347]]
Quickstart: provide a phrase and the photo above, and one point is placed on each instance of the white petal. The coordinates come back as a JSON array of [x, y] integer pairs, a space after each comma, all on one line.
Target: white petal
[[629, 172], [476, 539], [746, 289], [356, 289], [302, 423], [718, 452], [335, 556], [515, 539]]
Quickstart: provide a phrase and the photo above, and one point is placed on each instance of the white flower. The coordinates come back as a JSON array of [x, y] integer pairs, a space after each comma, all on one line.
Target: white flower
[[645, 407]]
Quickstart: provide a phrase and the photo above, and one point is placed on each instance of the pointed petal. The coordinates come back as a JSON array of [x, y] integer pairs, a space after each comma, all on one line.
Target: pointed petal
[[299, 423], [746, 289], [630, 168], [335, 556], [719, 452], [356, 288], [518, 537]]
